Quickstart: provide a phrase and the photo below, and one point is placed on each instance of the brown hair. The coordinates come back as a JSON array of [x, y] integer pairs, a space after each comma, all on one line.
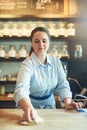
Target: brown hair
[[36, 30]]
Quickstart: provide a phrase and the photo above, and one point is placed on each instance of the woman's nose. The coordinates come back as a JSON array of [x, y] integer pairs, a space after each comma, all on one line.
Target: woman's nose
[[41, 43]]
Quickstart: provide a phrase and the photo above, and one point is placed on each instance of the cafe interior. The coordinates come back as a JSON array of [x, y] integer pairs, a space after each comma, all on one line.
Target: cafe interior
[[66, 21]]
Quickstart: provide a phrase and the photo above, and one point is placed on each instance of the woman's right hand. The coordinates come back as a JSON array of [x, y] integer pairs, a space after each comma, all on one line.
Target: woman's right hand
[[29, 115], [29, 111]]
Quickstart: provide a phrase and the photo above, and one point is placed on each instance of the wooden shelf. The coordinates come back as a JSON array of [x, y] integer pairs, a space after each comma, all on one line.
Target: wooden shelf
[[7, 97], [11, 59], [59, 38], [7, 82]]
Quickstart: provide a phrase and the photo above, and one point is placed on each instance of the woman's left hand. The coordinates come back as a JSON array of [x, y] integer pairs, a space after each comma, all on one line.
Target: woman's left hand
[[74, 105]]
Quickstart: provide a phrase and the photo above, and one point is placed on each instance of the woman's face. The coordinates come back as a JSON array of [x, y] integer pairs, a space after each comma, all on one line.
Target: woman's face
[[40, 42]]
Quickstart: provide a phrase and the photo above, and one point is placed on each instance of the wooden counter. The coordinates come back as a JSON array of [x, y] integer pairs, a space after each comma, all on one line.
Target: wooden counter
[[58, 119]]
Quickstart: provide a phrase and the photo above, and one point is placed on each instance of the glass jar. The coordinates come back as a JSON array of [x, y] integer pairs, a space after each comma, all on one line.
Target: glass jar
[[14, 31], [65, 51], [41, 24], [71, 29], [12, 51], [78, 51], [51, 28], [5, 29], [61, 29], [54, 51], [31, 26], [22, 51], [2, 52], [23, 29]]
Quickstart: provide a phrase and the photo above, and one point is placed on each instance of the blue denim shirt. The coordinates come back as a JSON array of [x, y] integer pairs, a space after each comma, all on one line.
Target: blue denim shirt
[[39, 80]]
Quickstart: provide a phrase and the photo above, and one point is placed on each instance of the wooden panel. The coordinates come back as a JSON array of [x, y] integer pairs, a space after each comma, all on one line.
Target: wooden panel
[[33, 8]]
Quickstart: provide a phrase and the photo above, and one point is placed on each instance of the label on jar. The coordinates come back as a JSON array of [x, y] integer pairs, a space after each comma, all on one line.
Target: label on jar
[[22, 53], [2, 53], [12, 53]]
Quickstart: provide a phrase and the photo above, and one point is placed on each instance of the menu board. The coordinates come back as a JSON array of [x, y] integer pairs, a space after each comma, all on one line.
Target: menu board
[[31, 8]]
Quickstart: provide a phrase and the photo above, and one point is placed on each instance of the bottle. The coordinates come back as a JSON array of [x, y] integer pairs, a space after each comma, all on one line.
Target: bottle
[[2, 91], [22, 51], [12, 51], [0, 74], [78, 51], [65, 69], [2, 52]]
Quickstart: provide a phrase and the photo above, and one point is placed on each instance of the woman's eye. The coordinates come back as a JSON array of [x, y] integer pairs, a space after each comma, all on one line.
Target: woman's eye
[[36, 41], [44, 41]]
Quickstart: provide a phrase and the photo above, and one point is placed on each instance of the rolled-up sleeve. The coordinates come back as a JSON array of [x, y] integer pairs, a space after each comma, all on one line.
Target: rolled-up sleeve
[[23, 82], [63, 88]]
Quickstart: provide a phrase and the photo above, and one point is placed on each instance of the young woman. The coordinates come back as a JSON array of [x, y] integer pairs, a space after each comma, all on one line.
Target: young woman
[[39, 77]]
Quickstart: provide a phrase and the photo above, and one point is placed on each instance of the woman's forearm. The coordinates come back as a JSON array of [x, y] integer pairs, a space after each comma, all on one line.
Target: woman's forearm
[[25, 104]]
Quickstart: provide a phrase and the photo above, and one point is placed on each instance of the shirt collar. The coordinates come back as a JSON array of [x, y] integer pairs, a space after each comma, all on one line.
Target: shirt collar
[[37, 62]]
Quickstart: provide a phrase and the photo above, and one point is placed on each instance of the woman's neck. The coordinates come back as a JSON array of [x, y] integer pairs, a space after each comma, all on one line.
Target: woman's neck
[[42, 58]]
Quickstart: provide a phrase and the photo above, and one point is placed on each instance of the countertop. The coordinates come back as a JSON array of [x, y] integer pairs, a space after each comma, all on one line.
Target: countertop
[[54, 119]]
